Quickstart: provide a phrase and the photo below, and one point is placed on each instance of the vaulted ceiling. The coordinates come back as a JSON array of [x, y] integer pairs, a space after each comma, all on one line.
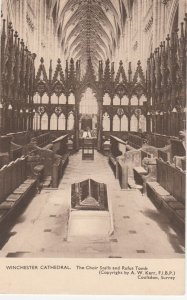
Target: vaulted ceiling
[[89, 28]]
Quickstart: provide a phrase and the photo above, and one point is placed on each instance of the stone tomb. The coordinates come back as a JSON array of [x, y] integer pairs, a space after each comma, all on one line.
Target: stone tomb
[[90, 214]]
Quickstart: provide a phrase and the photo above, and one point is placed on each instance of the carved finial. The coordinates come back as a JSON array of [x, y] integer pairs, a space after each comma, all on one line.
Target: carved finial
[[34, 56], [10, 25], [16, 34], [58, 61], [168, 38], [42, 60]]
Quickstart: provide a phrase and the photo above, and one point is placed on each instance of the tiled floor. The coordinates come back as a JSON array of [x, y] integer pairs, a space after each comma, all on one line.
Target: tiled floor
[[140, 230]]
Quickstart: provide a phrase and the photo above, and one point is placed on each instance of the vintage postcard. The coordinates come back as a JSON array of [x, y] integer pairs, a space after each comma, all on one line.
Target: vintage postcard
[[93, 147]]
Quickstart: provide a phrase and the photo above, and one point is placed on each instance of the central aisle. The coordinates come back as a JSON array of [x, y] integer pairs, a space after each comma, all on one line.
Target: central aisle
[[139, 229]]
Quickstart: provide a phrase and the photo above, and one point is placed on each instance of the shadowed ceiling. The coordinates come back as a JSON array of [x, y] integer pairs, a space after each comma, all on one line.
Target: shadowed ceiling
[[89, 28]]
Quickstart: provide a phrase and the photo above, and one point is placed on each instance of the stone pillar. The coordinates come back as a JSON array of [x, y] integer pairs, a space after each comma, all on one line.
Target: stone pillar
[[77, 102], [100, 129]]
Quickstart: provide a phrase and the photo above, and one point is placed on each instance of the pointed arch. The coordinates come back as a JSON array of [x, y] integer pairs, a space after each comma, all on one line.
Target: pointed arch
[[106, 122], [45, 99], [70, 121], [88, 103], [116, 123], [133, 123], [124, 123], [142, 99], [116, 100], [36, 98], [71, 99], [142, 123], [62, 99], [36, 121], [124, 100], [53, 122], [106, 99], [44, 122], [54, 99], [61, 122], [134, 100]]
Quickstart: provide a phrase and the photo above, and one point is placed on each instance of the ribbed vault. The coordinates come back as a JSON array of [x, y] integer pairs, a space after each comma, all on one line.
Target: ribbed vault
[[89, 28]]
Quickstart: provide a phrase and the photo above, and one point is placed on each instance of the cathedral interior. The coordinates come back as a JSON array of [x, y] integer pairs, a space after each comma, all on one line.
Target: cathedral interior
[[93, 128]]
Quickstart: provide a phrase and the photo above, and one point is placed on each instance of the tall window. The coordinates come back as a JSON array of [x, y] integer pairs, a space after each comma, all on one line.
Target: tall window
[[61, 122], [36, 121], [88, 104], [134, 123], [44, 122], [70, 121], [54, 99], [116, 100], [106, 122], [45, 98], [71, 99], [116, 123], [106, 99], [124, 123], [125, 100], [142, 100], [62, 99], [134, 100], [36, 98], [142, 123], [53, 122]]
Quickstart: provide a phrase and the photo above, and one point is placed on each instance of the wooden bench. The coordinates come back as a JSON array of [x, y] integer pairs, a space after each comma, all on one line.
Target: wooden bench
[[168, 192], [112, 163], [54, 160], [138, 173], [117, 148], [135, 141], [15, 191]]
